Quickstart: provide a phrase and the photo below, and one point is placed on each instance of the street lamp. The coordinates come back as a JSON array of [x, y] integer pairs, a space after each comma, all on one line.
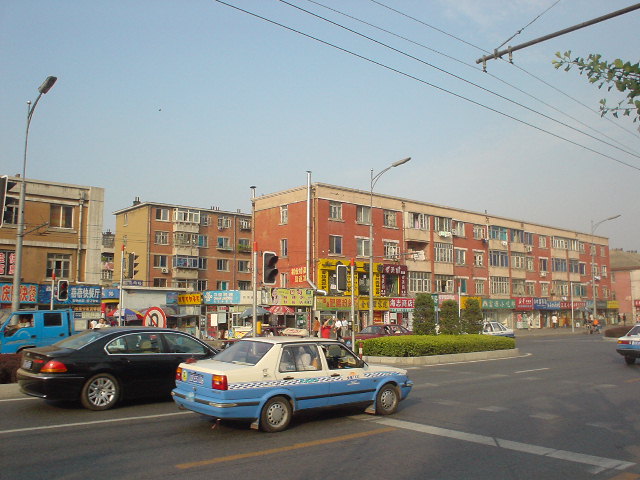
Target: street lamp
[[17, 274], [374, 179], [593, 259]]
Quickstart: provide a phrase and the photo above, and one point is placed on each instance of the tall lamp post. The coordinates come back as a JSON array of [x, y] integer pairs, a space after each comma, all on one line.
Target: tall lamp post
[[593, 260], [17, 274], [374, 179]]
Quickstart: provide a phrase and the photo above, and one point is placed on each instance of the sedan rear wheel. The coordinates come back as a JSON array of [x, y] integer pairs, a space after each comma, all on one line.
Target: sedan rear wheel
[[275, 415], [101, 392]]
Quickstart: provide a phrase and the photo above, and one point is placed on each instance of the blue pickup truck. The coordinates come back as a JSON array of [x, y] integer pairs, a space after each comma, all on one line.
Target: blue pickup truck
[[36, 328]]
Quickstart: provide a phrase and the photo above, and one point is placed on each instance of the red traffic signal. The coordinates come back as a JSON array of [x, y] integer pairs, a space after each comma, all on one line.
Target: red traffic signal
[[62, 292]]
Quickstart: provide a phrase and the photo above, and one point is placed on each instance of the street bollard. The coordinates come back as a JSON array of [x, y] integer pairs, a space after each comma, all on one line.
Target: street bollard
[[360, 345]]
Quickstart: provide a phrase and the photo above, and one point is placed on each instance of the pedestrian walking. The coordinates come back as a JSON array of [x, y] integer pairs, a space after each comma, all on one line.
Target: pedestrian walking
[[315, 329], [554, 320], [339, 328], [327, 326]]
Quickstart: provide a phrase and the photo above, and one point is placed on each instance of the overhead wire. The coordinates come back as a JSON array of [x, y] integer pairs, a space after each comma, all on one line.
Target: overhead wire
[[511, 63], [458, 77], [527, 25], [413, 77], [473, 67]]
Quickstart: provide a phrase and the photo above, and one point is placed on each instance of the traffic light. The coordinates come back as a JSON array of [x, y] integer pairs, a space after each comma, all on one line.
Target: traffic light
[[132, 264], [341, 278], [62, 293], [269, 268]]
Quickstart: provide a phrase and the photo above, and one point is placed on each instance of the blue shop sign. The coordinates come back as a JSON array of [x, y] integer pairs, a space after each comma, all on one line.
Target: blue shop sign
[[172, 298], [221, 297], [78, 295], [110, 293]]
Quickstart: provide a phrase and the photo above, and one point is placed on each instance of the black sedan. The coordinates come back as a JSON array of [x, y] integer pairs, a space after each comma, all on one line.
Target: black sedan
[[102, 366]]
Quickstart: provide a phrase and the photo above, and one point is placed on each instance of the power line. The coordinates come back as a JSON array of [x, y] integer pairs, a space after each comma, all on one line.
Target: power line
[[477, 69], [407, 75], [522, 29], [458, 77]]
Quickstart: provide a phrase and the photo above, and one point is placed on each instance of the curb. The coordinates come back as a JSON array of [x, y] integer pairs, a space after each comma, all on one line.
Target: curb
[[439, 359], [10, 390]]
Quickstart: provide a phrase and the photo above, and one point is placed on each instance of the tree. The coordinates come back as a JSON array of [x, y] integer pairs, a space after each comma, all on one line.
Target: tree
[[449, 319], [424, 317], [472, 316], [624, 76]]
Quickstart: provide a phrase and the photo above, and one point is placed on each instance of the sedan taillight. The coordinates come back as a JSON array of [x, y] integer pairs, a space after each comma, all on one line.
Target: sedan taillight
[[219, 382], [53, 366], [624, 342], [179, 373]]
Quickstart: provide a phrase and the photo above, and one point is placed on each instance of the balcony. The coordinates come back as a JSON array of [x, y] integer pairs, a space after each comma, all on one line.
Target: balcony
[[188, 227]]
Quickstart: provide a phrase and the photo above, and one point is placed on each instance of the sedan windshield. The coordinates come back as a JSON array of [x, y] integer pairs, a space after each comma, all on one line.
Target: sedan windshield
[[244, 352]]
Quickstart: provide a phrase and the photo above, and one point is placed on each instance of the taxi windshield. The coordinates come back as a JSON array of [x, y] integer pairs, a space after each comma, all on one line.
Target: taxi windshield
[[244, 352]]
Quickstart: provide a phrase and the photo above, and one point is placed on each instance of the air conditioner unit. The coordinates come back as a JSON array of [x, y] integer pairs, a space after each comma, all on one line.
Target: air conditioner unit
[[504, 243], [543, 274], [165, 270], [444, 234]]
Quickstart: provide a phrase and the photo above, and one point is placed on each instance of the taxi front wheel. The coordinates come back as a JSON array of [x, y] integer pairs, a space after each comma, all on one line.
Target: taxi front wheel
[[275, 415], [387, 400]]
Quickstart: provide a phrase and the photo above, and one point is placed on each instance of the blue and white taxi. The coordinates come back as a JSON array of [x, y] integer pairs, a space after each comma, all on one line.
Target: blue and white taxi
[[267, 379], [629, 345]]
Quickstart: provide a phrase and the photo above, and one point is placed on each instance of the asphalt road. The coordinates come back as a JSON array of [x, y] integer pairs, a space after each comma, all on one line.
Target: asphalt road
[[564, 409]]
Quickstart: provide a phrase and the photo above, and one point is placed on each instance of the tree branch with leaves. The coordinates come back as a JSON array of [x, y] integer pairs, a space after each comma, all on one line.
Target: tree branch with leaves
[[624, 76]]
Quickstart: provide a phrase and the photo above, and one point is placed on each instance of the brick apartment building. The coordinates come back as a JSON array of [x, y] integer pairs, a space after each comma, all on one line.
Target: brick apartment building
[[184, 247], [520, 272]]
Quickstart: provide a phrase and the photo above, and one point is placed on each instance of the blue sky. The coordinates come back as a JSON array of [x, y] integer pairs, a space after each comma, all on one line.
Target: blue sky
[[192, 102]]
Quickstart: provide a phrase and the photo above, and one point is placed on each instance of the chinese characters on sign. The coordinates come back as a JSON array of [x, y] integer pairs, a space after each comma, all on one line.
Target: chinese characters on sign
[[299, 274], [28, 293]]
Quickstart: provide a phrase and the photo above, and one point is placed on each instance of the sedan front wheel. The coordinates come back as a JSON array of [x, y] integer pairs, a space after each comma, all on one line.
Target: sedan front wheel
[[101, 392]]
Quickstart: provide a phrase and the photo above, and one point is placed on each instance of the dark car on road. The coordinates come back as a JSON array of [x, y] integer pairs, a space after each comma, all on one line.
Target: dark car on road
[[100, 367]]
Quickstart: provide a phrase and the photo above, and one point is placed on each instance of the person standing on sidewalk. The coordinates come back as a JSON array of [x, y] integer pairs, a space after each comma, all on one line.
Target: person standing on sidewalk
[[554, 320]]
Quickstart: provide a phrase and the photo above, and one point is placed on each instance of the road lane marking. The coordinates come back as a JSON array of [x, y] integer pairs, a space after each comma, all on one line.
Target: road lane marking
[[95, 422], [632, 380], [600, 462], [19, 399], [288, 448], [532, 370]]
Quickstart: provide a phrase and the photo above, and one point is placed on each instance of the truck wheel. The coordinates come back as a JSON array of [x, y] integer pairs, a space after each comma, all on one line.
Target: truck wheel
[[630, 360], [100, 392], [387, 400], [275, 415]]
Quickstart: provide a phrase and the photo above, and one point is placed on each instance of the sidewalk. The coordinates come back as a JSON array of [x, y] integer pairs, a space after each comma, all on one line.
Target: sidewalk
[[523, 332]]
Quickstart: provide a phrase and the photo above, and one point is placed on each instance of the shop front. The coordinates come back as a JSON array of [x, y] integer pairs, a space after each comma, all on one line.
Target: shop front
[[499, 310], [291, 307]]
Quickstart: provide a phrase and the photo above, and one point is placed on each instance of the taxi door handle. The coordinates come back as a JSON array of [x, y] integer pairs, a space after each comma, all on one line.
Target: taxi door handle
[[335, 374], [288, 378]]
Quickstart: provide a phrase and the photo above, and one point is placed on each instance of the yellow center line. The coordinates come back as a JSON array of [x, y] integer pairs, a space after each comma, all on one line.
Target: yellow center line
[[295, 446]]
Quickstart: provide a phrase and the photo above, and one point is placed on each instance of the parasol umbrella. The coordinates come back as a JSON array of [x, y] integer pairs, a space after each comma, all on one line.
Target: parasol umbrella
[[281, 310], [127, 315], [249, 312]]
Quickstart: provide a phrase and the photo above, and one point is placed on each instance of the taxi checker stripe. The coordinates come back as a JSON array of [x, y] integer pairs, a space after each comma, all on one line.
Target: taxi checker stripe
[[302, 381]]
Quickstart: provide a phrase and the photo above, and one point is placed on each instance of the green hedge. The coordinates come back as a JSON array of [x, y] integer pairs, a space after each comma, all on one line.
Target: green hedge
[[423, 345]]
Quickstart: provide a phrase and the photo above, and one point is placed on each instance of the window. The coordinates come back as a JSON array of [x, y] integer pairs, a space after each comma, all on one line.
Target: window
[[205, 219], [478, 232], [203, 241], [244, 266], [458, 229], [544, 267], [160, 261], [11, 211], [582, 268], [283, 280], [162, 214], [530, 264], [419, 282], [363, 215], [224, 222], [461, 256], [559, 242], [544, 289], [497, 233], [222, 264], [390, 218], [202, 263], [574, 266], [516, 236], [443, 283], [201, 285], [462, 285], [162, 238], [478, 258], [159, 282], [284, 214], [335, 245], [442, 224], [284, 247], [603, 269], [125, 219], [244, 245], [391, 249], [498, 258], [298, 358], [245, 224], [518, 261], [335, 211], [222, 285], [184, 261], [517, 287], [479, 284], [527, 238], [184, 215], [362, 247], [499, 285], [419, 221], [60, 264], [244, 285], [443, 252], [61, 216], [559, 264], [185, 239], [542, 241], [223, 243], [530, 289], [339, 356]]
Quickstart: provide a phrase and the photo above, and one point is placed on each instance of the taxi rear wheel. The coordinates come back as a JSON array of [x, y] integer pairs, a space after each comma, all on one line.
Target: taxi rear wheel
[[276, 415], [387, 400], [630, 360]]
